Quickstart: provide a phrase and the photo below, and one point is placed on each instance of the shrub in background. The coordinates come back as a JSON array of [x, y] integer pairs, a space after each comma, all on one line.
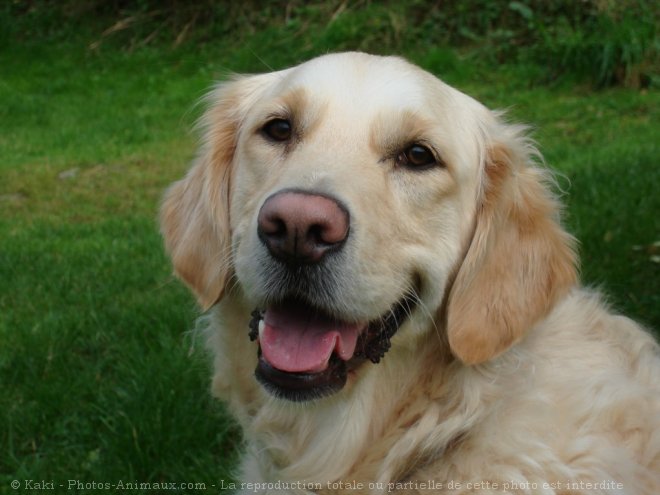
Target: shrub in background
[[613, 43], [608, 42]]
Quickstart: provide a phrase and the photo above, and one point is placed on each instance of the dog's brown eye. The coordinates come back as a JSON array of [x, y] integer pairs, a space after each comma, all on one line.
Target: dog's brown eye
[[417, 157], [278, 130]]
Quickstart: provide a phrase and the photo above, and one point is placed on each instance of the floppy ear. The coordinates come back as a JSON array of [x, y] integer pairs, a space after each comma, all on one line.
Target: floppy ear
[[519, 262], [194, 216]]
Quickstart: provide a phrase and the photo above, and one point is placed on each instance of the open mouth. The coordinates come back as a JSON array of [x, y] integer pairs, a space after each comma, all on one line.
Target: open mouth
[[305, 353]]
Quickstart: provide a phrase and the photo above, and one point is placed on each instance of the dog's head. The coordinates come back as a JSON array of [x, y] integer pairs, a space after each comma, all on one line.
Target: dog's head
[[356, 197]]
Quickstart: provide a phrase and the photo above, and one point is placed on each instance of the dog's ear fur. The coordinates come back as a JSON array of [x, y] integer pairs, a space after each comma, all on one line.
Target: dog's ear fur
[[519, 261], [194, 216]]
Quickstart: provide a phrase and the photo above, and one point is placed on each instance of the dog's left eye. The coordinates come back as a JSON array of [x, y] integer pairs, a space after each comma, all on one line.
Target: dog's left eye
[[416, 157], [278, 129]]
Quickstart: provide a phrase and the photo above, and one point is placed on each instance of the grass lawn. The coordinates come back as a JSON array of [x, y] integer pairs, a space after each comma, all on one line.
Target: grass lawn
[[102, 376]]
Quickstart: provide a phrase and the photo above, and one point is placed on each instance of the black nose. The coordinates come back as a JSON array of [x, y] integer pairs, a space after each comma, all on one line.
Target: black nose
[[301, 227]]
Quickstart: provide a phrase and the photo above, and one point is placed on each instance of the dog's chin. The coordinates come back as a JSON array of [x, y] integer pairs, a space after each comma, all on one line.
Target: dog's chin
[[298, 367], [302, 387]]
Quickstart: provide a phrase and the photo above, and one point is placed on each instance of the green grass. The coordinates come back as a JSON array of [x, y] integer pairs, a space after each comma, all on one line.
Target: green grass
[[99, 381], [95, 362]]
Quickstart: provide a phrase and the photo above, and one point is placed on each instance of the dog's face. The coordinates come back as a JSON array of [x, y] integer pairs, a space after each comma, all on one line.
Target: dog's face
[[341, 198]]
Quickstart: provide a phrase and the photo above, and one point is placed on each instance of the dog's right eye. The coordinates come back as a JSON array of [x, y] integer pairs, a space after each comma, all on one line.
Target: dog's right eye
[[417, 157], [278, 130]]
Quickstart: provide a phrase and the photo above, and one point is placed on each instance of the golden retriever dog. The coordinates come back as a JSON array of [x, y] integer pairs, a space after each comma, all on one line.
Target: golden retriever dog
[[393, 305]]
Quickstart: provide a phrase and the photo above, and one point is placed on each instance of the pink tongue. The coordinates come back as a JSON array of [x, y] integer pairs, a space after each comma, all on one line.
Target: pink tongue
[[296, 339]]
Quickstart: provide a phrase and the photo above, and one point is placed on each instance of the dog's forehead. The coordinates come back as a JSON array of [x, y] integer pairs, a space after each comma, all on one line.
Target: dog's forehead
[[361, 81]]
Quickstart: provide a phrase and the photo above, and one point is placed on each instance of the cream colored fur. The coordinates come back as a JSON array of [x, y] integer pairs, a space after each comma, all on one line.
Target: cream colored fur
[[507, 378]]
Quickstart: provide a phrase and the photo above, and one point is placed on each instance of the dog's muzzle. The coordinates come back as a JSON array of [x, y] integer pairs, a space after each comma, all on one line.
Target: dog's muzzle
[[305, 350]]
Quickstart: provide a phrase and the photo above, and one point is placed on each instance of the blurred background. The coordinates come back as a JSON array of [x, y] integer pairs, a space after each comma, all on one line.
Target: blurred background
[[103, 376]]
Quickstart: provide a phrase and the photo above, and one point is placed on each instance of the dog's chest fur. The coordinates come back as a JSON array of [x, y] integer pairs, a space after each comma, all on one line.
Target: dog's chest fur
[[363, 434]]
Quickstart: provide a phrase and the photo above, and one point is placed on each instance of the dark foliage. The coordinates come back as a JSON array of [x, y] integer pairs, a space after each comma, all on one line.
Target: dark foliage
[[609, 42]]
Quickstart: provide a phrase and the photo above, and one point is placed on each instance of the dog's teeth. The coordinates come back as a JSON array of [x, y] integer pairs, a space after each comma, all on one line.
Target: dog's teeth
[[262, 325]]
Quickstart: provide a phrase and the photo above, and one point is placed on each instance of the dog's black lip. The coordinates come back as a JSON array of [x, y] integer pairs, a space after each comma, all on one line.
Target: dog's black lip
[[372, 345], [301, 387], [375, 341]]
